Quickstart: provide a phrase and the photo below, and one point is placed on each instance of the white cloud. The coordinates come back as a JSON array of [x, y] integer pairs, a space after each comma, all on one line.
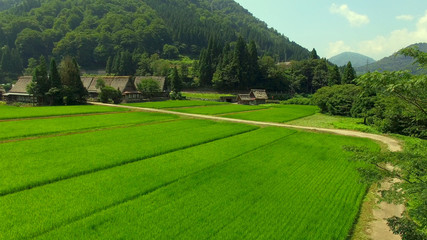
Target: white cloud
[[386, 45], [336, 48], [354, 18], [405, 17]]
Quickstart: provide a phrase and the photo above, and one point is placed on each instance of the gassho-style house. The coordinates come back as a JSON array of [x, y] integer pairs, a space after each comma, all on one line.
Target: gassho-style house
[[127, 85]]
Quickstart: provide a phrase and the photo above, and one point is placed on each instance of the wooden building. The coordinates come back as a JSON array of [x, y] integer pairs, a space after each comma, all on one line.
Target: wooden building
[[122, 83], [255, 97], [2, 91], [18, 93], [260, 96]]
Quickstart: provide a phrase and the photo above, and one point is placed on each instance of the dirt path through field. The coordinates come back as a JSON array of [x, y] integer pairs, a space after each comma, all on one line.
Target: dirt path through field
[[392, 144]]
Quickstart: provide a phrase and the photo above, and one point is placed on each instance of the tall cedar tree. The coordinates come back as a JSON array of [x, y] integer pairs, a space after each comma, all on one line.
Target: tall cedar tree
[[176, 83], [254, 69], [349, 74], [334, 76], [313, 54], [55, 91], [40, 84], [241, 63], [74, 91]]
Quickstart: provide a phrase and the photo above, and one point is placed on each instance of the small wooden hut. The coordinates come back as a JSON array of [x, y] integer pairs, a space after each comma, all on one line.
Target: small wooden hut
[[18, 93]]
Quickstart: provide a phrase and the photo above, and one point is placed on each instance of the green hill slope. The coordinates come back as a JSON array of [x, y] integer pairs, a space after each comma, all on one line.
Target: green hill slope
[[395, 63], [356, 59], [93, 30]]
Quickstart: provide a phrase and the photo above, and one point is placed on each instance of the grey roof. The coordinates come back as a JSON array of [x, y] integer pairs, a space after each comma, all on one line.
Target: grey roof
[[245, 97], [259, 94], [21, 85], [87, 81], [123, 83], [159, 79]]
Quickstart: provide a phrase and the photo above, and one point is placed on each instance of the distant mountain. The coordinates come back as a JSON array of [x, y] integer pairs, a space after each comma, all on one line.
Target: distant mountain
[[395, 63], [356, 59]]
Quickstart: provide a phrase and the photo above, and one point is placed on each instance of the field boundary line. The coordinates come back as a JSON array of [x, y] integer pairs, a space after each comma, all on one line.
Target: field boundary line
[[114, 165], [166, 184], [392, 144], [81, 131], [58, 116]]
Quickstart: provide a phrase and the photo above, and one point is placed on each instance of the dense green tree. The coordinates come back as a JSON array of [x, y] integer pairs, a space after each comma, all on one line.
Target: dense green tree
[[240, 63], [170, 51], [40, 84], [54, 93], [253, 67], [176, 84], [313, 54], [338, 99], [349, 74], [148, 86], [320, 75], [334, 76], [110, 95], [73, 90], [144, 65]]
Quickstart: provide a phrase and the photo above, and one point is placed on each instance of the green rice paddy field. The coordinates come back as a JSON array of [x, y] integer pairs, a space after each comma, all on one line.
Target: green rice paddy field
[[156, 176]]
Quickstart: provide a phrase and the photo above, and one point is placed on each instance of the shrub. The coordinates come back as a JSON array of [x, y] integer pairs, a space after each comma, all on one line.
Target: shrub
[[336, 100], [299, 100], [109, 94], [148, 86]]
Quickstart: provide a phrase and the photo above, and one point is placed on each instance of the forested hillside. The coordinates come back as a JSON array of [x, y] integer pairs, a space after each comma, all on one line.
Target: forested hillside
[[94, 30]]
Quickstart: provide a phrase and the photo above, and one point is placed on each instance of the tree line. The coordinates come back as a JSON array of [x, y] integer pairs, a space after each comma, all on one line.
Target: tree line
[[92, 31], [53, 86]]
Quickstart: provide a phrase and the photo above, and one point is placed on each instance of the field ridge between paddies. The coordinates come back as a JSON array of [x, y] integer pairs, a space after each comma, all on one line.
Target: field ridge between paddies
[[38, 127], [29, 164], [279, 191], [12, 112], [60, 203]]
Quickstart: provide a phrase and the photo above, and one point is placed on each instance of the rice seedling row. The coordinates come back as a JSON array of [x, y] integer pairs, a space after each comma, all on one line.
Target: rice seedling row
[[11, 112], [36, 127], [41, 209], [175, 104], [219, 109], [279, 113], [281, 191], [37, 162]]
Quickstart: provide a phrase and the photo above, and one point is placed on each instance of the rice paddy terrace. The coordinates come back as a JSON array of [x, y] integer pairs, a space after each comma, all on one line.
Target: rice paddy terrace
[[93, 172]]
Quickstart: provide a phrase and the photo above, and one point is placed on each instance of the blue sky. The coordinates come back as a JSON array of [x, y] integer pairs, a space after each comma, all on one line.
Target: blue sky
[[376, 28]]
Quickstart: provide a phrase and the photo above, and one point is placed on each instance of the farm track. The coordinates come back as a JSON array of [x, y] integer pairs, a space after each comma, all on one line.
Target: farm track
[[60, 134], [94, 170], [154, 189], [392, 144], [58, 116]]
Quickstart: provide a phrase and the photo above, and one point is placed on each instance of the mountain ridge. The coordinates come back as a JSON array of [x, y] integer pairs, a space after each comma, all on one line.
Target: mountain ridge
[[395, 62], [92, 30], [356, 59]]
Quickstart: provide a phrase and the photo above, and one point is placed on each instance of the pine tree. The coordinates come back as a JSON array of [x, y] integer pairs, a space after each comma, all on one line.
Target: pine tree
[[55, 91], [254, 69], [349, 74], [176, 83], [241, 63], [313, 54], [74, 91], [334, 76]]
